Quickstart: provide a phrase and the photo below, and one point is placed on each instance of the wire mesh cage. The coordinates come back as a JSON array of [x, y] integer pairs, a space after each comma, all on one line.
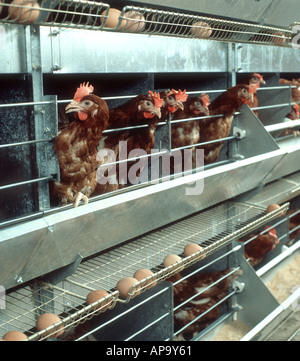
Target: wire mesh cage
[[67, 13], [131, 19], [68, 297]]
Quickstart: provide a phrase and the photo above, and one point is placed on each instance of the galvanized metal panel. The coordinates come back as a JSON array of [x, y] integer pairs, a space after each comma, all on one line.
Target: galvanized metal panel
[[257, 140], [90, 51], [267, 59], [288, 165], [256, 300], [12, 49]]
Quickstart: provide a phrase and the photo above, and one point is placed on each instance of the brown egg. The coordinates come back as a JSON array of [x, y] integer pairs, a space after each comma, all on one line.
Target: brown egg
[[14, 336], [133, 25], [98, 295], [24, 15], [143, 273], [125, 284], [192, 248], [273, 207], [171, 259], [198, 31], [47, 320], [112, 19], [279, 41]]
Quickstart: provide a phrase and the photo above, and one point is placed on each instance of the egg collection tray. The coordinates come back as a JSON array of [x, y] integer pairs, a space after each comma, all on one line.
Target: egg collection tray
[[211, 229], [100, 16]]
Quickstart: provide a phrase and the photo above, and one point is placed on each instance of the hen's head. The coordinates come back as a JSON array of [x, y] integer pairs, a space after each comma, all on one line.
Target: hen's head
[[243, 93], [173, 99], [257, 79], [254, 83], [198, 105], [149, 105], [87, 106]]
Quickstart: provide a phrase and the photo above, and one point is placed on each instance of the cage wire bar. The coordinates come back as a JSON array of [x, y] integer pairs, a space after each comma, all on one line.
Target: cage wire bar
[[68, 299], [104, 271], [45, 140], [93, 15]]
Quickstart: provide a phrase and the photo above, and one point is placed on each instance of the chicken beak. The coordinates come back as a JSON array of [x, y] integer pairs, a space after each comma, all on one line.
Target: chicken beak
[[204, 110], [157, 112], [179, 104], [262, 81], [72, 107]]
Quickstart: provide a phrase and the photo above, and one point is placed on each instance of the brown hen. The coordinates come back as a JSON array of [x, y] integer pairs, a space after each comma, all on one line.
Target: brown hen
[[76, 147], [258, 245], [142, 111], [172, 102], [187, 133], [208, 289], [295, 90], [255, 81], [215, 128]]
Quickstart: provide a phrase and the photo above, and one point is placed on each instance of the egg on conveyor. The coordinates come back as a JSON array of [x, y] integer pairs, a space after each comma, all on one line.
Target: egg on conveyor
[[136, 24], [192, 248], [97, 295], [14, 336], [26, 14], [112, 19], [278, 38], [143, 273], [273, 207], [200, 29], [46, 320], [126, 284], [171, 259]]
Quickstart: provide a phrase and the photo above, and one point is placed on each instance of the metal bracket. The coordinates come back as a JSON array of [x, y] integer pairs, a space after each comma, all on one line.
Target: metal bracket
[[239, 133], [238, 286]]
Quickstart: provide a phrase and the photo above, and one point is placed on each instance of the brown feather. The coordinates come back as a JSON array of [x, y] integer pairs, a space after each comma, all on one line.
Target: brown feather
[[217, 128], [76, 147], [129, 114]]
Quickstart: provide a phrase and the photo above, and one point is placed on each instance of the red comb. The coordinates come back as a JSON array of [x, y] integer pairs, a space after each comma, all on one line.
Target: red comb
[[157, 100], [179, 95], [82, 91], [258, 75], [205, 100]]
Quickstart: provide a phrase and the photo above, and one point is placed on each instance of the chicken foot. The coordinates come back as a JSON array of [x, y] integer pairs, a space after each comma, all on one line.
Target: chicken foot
[[80, 196]]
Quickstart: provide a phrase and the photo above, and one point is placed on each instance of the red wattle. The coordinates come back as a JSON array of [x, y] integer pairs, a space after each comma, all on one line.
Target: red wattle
[[172, 109], [82, 116], [148, 115]]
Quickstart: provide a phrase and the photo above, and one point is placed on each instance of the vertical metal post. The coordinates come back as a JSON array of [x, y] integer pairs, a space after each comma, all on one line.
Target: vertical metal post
[[45, 117], [231, 76], [169, 132], [231, 64]]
